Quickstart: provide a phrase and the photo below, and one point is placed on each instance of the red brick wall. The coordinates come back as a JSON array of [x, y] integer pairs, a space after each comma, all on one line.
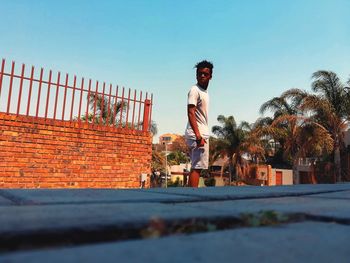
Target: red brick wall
[[56, 154]]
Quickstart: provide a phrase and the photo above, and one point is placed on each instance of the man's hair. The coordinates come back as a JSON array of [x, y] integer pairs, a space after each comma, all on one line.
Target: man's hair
[[204, 64]]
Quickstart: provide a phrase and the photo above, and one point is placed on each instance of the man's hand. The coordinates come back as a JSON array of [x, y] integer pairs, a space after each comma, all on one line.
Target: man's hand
[[200, 142]]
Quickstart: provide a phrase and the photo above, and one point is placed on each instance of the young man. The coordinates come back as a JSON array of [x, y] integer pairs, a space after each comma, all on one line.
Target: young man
[[197, 131]]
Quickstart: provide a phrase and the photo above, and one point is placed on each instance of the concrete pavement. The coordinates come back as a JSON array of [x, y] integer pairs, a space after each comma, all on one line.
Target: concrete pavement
[[246, 224]]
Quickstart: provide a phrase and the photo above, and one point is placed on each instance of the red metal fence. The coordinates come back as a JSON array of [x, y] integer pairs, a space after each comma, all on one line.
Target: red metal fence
[[39, 94]]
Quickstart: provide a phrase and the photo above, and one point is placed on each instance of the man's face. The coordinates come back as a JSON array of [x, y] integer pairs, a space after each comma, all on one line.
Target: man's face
[[203, 77]]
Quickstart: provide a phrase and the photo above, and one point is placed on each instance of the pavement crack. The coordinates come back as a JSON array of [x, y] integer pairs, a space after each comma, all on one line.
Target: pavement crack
[[328, 219], [154, 228]]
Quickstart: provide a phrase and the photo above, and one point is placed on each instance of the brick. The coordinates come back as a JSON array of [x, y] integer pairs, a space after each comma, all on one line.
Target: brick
[[55, 154]]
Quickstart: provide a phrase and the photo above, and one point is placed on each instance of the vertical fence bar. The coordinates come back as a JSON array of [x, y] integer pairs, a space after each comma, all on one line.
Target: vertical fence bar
[[88, 103], [121, 109], [48, 94], [109, 105], [10, 91], [140, 102], [95, 101], [102, 103], [115, 107], [107, 108], [127, 111], [39, 92], [30, 90], [56, 97], [133, 111], [20, 90], [81, 97], [145, 126], [65, 96], [72, 106], [144, 107], [2, 73], [150, 112]]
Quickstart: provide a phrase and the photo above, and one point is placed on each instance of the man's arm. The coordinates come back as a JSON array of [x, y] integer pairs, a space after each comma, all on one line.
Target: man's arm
[[191, 113]]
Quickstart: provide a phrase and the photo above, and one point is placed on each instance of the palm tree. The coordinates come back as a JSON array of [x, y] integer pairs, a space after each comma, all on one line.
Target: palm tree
[[303, 138], [253, 145], [267, 143], [107, 112], [230, 140], [298, 136], [329, 107], [215, 152], [279, 106]]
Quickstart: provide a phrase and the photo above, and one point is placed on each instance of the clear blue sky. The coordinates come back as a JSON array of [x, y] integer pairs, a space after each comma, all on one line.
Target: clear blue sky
[[259, 48]]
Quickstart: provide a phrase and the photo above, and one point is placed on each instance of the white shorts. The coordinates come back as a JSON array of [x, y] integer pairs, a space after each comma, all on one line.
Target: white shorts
[[199, 155]]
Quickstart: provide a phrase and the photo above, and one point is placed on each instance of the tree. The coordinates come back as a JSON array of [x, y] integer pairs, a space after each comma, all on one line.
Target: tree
[[177, 157], [328, 107], [297, 134], [158, 161], [303, 138], [230, 139], [108, 112], [179, 144], [253, 145], [215, 151], [278, 106], [108, 115]]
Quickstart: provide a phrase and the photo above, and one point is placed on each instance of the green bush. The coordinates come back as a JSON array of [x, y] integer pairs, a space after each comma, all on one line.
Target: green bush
[[209, 181], [177, 183]]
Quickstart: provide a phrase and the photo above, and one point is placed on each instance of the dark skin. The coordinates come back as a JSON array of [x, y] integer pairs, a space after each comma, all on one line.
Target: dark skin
[[204, 75]]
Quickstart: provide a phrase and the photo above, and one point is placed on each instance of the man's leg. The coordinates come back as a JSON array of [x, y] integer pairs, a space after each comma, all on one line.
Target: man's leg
[[196, 155], [194, 177], [200, 158]]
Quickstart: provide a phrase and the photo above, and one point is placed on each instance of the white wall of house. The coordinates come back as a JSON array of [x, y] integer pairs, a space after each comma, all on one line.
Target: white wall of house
[[177, 170], [287, 176], [180, 168]]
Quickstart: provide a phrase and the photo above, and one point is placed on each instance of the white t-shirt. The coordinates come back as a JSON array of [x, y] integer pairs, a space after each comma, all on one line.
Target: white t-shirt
[[200, 98]]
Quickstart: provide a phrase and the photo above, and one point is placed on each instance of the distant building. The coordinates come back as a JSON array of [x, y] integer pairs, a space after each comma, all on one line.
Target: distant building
[[266, 175], [167, 138]]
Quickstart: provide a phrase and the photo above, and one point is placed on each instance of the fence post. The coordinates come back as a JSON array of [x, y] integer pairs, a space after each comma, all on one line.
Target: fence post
[[146, 117]]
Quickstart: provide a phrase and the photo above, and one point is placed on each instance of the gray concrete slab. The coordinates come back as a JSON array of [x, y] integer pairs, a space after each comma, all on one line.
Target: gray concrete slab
[[21, 219], [4, 201], [242, 192], [302, 242], [81, 196], [68, 209], [336, 195], [177, 194]]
